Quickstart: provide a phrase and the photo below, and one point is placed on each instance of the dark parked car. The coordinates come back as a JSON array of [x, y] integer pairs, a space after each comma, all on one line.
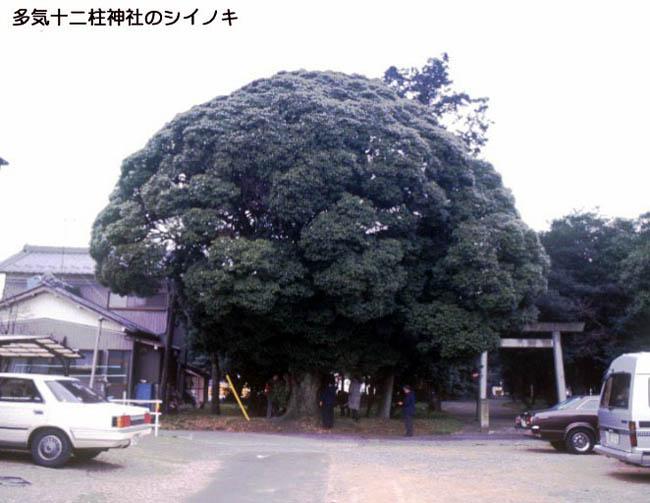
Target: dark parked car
[[571, 425]]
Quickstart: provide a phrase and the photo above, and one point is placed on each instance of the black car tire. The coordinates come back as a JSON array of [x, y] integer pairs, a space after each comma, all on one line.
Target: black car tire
[[51, 448], [87, 454], [580, 441], [559, 445]]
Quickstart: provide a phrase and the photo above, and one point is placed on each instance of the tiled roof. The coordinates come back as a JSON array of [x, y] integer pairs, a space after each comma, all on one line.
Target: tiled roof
[[52, 285], [49, 259]]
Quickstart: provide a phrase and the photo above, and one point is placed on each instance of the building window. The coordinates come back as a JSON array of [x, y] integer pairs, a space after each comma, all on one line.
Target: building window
[[35, 366], [81, 368], [117, 373]]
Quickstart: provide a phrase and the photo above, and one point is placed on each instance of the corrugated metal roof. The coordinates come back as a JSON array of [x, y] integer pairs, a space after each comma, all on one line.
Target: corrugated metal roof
[[27, 346], [52, 259]]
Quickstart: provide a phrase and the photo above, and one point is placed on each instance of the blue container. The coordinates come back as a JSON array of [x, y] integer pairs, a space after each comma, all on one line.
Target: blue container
[[144, 391]]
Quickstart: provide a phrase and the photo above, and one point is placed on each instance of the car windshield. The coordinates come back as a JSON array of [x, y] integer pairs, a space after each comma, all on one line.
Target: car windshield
[[73, 392], [567, 404]]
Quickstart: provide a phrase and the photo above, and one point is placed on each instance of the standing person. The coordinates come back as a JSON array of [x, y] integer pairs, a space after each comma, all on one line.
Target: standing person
[[408, 410], [354, 398], [327, 403]]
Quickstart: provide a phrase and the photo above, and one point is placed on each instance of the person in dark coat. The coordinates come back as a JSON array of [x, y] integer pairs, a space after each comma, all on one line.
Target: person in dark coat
[[408, 410], [327, 403]]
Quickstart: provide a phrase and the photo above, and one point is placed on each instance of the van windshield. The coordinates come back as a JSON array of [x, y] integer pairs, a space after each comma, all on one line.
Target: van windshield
[[73, 392], [616, 392]]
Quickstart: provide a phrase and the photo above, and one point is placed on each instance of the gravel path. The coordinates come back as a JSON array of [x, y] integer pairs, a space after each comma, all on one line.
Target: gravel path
[[234, 468]]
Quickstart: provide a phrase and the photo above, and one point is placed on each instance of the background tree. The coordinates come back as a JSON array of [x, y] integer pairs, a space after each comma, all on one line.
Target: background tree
[[587, 253], [3, 162], [454, 110], [635, 280], [316, 220]]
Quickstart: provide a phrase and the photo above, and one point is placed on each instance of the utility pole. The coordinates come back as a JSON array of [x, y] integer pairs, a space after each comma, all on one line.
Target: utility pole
[[96, 351], [484, 406]]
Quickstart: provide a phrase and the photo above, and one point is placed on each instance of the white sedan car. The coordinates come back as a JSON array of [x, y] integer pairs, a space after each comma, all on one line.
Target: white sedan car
[[55, 417]]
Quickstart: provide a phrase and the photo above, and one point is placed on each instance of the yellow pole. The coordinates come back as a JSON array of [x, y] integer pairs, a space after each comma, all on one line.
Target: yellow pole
[[234, 392]]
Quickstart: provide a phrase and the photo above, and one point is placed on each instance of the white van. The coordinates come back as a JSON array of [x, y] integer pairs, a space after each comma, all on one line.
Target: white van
[[624, 413]]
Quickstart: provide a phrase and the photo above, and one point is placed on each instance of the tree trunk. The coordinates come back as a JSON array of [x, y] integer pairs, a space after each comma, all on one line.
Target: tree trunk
[[371, 391], [303, 401], [434, 397], [386, 396], [169, 337], [215, 405]]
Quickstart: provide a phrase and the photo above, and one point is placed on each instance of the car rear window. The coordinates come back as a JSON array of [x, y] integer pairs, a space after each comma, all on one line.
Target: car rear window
[[616, 392], [566, 404], [591, 404], [73, 392]]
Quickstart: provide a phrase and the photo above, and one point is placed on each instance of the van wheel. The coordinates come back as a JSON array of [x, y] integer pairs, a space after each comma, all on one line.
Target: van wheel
[[580, 441], [51, 448], [559, 445]]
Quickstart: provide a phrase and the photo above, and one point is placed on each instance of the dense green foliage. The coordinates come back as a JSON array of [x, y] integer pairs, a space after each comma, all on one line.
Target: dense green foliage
[[635, 281], [455, 110], [600, 274], [317, 221]]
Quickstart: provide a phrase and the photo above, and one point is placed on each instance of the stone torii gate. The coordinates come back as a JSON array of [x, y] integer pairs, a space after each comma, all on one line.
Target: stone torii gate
[[556, 330]]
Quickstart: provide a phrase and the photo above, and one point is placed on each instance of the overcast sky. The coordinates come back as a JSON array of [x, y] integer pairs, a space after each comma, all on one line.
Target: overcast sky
[[568, 84]]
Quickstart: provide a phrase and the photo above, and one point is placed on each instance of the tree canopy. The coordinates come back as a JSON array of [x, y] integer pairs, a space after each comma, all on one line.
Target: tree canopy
[[315, 221], [455, 110], [635, 281]]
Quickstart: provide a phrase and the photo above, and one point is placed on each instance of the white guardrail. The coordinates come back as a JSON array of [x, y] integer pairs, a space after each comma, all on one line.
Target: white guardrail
[[155, 413]]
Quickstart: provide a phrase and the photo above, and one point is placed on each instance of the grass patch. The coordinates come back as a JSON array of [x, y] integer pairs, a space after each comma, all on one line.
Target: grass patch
[[438, 423]]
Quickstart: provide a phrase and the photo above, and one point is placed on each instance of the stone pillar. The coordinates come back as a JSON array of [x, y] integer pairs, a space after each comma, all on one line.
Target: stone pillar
[[559, 366], [484, 407]]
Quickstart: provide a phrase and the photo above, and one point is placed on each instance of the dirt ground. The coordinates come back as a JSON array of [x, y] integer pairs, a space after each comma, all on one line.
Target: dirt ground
[[201, 420], [248, 467]]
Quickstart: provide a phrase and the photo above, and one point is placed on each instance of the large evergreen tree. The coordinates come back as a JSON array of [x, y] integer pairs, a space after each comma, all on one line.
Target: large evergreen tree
[[316, 220]]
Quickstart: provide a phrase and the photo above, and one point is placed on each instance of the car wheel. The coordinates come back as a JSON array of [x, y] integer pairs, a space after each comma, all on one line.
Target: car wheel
[[559, 446], [580, 441], [87, 454], [51, 448]]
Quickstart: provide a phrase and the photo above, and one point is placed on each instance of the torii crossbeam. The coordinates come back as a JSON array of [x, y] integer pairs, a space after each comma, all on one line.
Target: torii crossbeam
[[556, 329]]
